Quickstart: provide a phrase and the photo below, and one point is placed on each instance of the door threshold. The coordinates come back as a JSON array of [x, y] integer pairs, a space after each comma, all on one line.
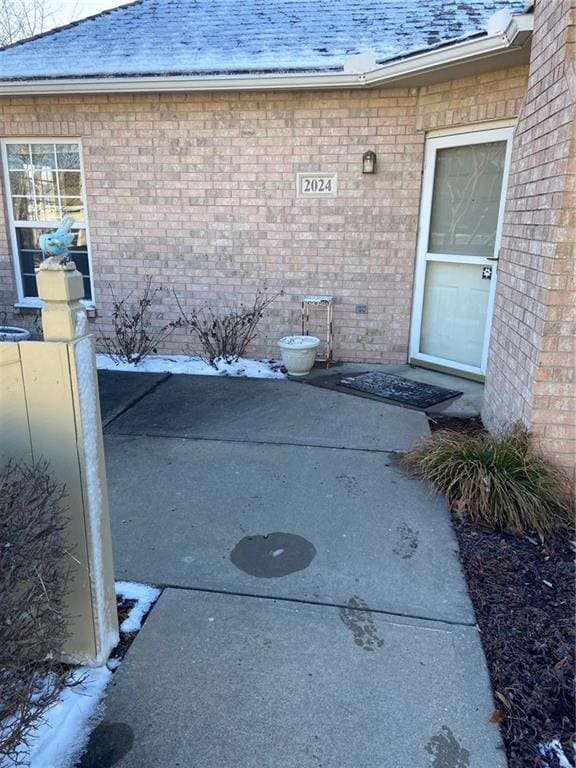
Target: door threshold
[[446, 369]]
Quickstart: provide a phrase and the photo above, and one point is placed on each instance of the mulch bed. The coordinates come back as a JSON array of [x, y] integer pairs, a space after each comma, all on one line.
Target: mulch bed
[[523, 594], [523, 590], [470, 426]]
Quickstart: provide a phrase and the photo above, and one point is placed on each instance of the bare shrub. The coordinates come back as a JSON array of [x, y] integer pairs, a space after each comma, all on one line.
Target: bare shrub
[[226, 336], [134, 336], [34, 580], [496, 480]]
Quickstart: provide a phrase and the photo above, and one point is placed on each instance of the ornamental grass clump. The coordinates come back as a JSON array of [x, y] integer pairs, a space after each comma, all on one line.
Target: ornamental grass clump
[[496, 480]]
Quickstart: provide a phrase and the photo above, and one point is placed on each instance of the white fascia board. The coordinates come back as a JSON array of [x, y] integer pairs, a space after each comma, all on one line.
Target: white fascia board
[[520, 28], [155, 84], [514, 36]]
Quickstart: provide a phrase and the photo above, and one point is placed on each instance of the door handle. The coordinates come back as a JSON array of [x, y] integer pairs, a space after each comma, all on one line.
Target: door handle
[[492, 258]]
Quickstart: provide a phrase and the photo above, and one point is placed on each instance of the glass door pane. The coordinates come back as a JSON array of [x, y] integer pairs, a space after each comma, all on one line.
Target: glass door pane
[[466, 199]]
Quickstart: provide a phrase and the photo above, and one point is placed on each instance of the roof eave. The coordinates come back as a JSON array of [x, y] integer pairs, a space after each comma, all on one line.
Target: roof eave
[[513, 37]]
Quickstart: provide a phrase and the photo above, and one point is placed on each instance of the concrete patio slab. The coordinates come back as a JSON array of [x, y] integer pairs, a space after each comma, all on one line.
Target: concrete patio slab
[[315, 611], [221, 681], [272, 412], [467, 405], [119, 390], [180, 507]]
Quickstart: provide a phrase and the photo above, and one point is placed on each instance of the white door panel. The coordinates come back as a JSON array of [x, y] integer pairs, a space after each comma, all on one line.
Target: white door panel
[[454, 312]]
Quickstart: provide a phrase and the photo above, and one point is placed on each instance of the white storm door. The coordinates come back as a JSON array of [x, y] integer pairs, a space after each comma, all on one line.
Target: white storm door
[[462, 208]]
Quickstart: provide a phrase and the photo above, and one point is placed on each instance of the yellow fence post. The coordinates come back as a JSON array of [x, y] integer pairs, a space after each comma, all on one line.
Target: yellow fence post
[[57, 418]]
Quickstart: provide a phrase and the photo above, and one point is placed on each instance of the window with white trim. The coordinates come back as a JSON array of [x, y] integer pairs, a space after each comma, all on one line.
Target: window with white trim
[[44, 182]]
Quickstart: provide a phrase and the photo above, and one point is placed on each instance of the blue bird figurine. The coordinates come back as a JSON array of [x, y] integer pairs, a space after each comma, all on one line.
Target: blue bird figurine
[[54, 245]]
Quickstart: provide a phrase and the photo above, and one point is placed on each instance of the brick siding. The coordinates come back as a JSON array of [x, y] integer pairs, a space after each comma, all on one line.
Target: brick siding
[[198, 190], [532, 363]]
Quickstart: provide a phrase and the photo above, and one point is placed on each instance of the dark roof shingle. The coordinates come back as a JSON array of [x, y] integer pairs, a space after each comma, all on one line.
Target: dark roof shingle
[[193, 37]]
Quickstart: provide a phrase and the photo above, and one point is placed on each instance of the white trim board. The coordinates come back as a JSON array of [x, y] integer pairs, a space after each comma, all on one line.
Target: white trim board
[[488, 125]]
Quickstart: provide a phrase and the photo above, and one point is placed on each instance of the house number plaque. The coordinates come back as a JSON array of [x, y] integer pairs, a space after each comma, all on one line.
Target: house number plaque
[[316, 184]]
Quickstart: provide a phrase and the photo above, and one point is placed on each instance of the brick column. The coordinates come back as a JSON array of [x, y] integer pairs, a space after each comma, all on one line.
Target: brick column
[[532, 363]]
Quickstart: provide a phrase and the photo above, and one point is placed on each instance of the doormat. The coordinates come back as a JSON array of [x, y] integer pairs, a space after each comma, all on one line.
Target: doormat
[[414, 394]]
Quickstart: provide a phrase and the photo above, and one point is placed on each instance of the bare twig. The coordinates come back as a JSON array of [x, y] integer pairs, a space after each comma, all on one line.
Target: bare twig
[[225, 336], [21, 18], [34, 579], [134, 336]]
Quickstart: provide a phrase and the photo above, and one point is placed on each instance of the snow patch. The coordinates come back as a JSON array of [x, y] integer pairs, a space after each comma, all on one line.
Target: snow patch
[[193, 365], [299, 341], [81, 325], [359, 63], [59, 739], [145, 597], [499, 22], [554, 748]]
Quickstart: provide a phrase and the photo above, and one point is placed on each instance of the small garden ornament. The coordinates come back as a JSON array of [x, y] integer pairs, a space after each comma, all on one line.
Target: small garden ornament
[[54, 245]]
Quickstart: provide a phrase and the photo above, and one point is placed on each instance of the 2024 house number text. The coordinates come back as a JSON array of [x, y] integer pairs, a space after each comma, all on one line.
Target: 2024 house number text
[[317, 184]]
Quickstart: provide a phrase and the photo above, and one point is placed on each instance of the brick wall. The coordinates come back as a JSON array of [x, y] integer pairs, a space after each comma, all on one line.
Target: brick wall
[[199, 191], [532, 364]]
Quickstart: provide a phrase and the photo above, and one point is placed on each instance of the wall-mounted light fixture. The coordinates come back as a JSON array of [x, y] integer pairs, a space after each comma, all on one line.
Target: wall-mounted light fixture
[[369, 162]]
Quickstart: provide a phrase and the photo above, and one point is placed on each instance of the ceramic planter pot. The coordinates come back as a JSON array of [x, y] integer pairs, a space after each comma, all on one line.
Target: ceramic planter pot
[[298, 354], [12, 333]]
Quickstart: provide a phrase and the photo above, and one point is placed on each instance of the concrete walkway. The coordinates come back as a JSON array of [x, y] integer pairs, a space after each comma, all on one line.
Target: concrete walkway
[[314, 612]]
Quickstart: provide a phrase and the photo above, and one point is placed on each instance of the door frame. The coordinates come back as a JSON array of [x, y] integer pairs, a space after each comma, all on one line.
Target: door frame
[[464, 137]]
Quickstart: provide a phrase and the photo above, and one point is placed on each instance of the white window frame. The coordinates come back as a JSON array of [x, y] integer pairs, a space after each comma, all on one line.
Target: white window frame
[[33, 301]]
